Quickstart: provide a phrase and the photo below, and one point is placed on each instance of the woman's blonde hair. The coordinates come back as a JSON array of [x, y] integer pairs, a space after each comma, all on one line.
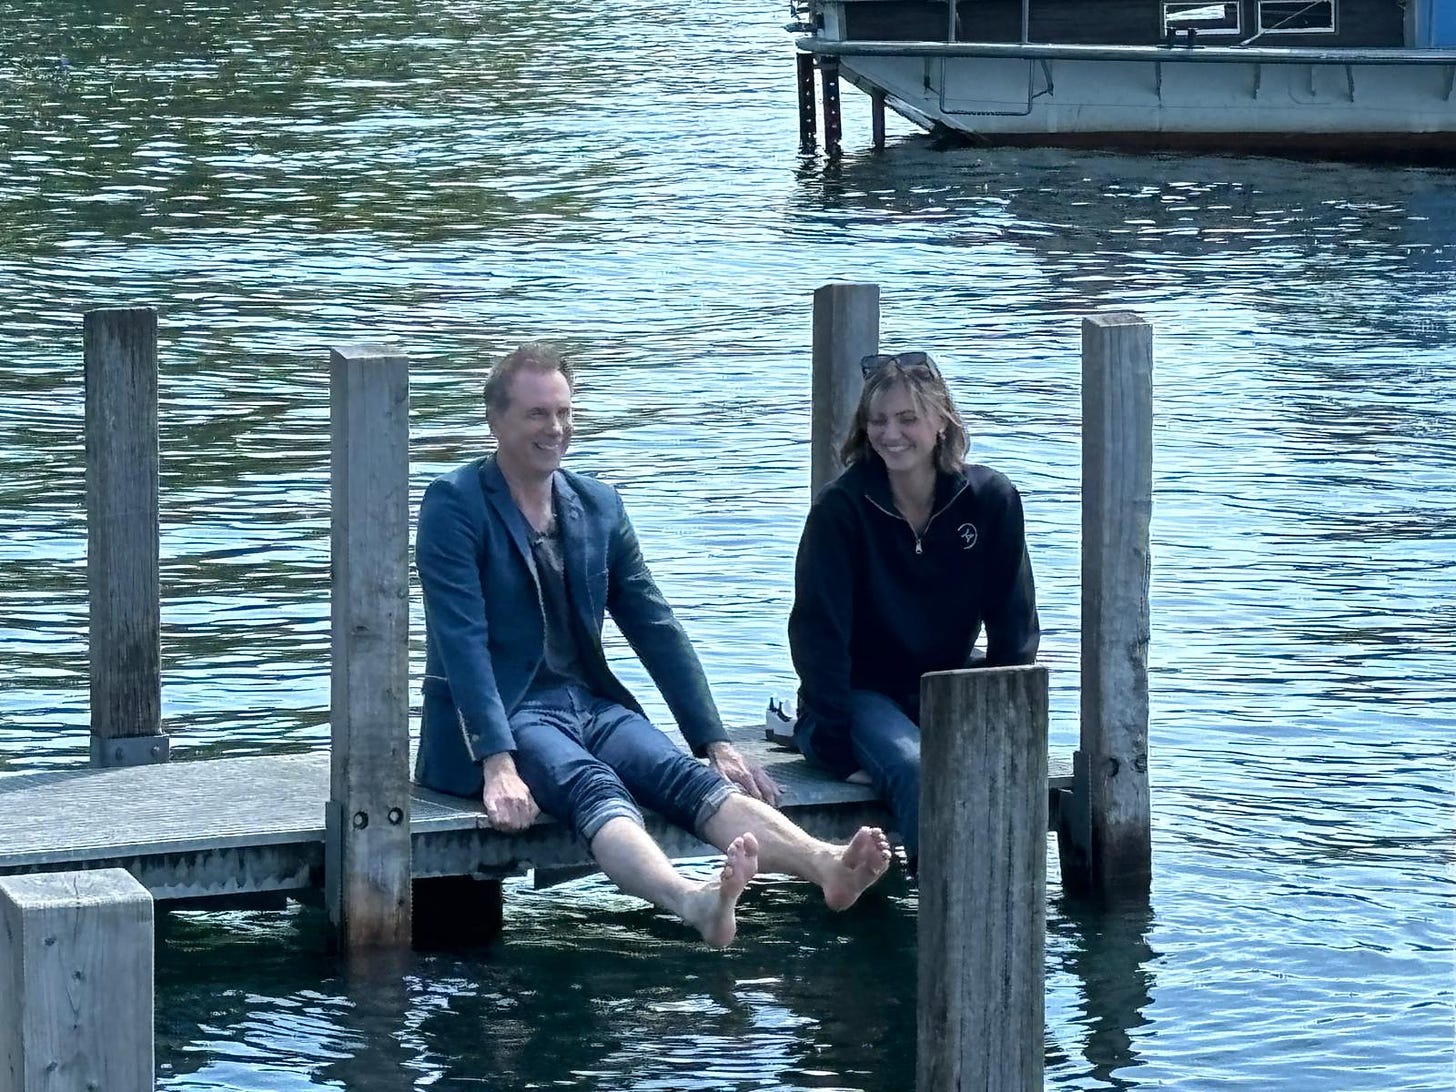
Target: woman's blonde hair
[[931, 396]]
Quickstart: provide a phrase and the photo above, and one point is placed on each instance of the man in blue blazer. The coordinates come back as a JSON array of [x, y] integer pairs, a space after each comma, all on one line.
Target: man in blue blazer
[[519, 561]]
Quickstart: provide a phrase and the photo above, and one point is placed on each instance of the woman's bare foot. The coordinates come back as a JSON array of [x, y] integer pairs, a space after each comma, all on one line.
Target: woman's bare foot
[[710, 909], [861, 863]]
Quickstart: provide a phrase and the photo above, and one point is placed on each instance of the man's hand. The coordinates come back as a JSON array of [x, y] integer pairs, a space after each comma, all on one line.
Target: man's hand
[[747, 774], [508, 803]]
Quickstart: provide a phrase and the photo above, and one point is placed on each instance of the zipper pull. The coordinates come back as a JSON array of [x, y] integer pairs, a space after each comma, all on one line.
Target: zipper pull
[[918, 550]]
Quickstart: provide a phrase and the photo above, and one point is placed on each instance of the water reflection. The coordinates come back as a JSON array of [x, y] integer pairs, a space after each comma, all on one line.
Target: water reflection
[[171, 120], [1107, 952], [383, 1045], [807, 999], [1306, 244], [790, 1000], [229, 986]]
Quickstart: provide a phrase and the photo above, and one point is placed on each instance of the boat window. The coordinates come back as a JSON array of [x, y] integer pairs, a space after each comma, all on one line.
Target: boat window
[[1296, 16], [1184, 15]]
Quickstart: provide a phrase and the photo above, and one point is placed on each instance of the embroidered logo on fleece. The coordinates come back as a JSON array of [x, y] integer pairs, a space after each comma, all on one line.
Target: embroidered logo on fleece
[[968, 534]]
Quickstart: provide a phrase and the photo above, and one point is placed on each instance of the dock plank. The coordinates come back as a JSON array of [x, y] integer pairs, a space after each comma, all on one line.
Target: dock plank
[[214, 827]]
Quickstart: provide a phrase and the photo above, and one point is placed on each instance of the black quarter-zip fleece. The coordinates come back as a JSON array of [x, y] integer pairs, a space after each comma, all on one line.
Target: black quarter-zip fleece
[[876, 606]]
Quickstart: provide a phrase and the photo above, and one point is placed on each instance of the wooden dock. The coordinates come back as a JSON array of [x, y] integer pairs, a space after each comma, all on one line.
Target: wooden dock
[[220, 828], [346, 820], [397, 865]]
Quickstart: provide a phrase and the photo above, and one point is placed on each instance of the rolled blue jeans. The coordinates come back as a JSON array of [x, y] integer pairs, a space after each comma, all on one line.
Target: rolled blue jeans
[[587, 761], [885, 739]]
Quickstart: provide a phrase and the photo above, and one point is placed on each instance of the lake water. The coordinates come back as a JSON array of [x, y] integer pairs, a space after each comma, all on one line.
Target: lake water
[[455, 176]]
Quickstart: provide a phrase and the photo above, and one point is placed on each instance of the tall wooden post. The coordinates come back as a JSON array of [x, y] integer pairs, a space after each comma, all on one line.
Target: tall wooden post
[[122, 537], [846, 329], [982, 922], [1107, 835], [367, 848], [76, 993]]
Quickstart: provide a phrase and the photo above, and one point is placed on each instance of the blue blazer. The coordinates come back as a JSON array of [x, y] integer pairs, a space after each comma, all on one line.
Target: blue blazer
[[485, 627]]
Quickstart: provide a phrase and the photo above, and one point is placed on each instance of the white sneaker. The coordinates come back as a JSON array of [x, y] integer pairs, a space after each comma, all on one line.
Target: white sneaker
[[779, 720]]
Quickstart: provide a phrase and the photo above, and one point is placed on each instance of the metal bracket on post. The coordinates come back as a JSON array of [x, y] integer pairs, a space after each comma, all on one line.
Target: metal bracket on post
[[334, 861], [1074, 830], [130, 750]]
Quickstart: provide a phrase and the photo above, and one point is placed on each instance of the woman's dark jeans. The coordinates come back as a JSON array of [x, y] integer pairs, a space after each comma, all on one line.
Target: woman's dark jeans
[[886, 743]]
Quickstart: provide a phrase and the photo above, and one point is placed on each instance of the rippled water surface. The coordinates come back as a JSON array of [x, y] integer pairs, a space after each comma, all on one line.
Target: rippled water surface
[[458, 177]]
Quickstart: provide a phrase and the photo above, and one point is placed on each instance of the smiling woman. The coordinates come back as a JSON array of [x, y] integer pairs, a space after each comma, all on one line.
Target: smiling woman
[[903, 560]]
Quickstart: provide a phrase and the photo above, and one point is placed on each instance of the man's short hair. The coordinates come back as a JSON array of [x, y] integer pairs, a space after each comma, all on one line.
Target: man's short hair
[[533, 356]]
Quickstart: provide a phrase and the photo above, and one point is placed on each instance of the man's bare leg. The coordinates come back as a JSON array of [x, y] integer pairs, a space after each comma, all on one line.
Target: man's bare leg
[[842, 872], [636, 864]]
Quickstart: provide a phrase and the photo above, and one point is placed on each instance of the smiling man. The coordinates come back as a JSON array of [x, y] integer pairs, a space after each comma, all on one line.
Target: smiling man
[[520, 561]]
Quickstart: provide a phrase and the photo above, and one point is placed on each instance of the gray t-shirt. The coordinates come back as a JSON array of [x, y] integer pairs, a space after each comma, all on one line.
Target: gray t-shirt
[[562, 663]]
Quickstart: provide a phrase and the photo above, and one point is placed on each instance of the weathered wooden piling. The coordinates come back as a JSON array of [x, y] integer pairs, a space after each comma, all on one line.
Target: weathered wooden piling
[[76, 994], [877, 119], [367, 846], [123, 537], [982, 918], [1106, 829], [846, 329]]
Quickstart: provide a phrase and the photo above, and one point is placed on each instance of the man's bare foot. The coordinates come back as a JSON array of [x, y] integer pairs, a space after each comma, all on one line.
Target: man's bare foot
[[710, 909], [861, 863]]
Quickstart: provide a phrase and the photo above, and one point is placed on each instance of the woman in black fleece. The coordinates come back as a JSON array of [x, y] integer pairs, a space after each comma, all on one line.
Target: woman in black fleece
[[904, 558]]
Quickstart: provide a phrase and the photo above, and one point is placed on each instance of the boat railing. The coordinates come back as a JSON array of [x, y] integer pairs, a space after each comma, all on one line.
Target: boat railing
[[1152, 53]]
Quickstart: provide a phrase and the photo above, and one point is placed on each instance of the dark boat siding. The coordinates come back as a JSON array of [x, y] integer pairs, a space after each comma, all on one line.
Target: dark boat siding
[[1106, 22], [1415, 149]]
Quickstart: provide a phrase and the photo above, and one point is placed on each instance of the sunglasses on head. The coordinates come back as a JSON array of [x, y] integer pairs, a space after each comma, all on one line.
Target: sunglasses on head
[[876, 361]]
